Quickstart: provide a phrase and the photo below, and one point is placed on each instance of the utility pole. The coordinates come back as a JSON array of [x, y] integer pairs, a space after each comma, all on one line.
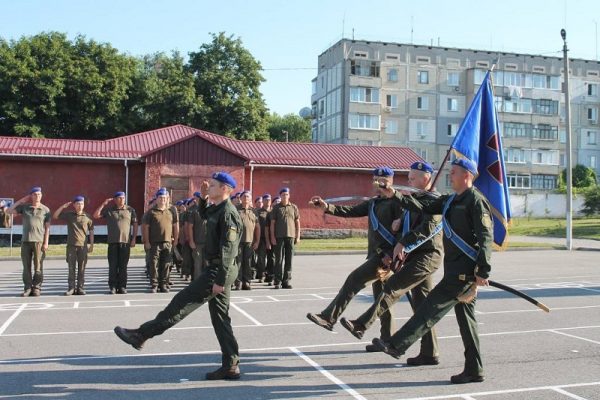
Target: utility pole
[[568, 160]]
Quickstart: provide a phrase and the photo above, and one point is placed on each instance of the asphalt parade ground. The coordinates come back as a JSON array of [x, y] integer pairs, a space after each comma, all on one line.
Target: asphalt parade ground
[[61, 347]]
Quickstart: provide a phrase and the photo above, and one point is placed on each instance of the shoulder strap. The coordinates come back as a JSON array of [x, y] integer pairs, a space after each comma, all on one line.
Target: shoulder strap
[[454, 238], [378, 227]]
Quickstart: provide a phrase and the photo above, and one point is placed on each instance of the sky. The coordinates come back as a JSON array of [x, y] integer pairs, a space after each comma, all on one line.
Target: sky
[[288, 36]]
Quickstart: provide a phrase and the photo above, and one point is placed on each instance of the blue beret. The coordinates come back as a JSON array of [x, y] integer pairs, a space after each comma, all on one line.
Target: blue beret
[[35, 189], [197, 194], [225, 178], [162, 192], [284, 190], [276, 198], [466, 164], [244, 192], [422, 166], [257, 199], [179, 202], [78, 198], [119, 194], [189, 201], [266, 196], [383, 172]]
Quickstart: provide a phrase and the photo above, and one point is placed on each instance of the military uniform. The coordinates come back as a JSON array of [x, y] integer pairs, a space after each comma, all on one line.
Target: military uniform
[[270, 253], [118, 224], [386, 211], [160, 231], [32, 255], [469, 216], [283, 219], [261, 251], [246, 252], [199, 232], [222, 241], [78, 228], [187, 262], [415, 275]]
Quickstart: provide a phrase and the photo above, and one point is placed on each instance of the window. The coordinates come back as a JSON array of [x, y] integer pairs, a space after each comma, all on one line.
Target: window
[[452, 104], [453, 78], [314, 87], [421, 153], [592, 114], [392, 75], [423, 77], [421, 128], [514, 129], [360, 54], [392, 56], [364, 121], [364, 95], [592, 89], [391, 100], [391, 126], [592, 163], [426, 60], [591, 137], [544, 106], [545, 157], [364, 68], [547, 182], [422, 103], [516, 156], [321, 108], [517, 181], [452, 129], [545, 132]]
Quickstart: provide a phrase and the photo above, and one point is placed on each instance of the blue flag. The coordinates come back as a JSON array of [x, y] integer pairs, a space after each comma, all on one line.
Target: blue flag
[[478, 139]]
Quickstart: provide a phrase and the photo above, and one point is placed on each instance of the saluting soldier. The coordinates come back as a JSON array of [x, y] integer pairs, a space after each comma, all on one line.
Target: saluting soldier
[[161, 230], [224, 227], [79, 226], [285, 234], [419, 234], [34, 241], [122, 228], [248, 242], [381, 212], [468, 234], [196, 231]]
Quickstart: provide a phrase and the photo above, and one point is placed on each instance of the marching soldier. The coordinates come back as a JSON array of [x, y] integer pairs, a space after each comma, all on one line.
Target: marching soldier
[[122, 228], [381, 212], [160, 228], [79, 226], [285, 234], [248, 242], [468, 234], [34, 241], [420, 249], [213, 285]]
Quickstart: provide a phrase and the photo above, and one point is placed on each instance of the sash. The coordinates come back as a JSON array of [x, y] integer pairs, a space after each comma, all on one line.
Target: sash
[[378, 227], [454, 238]]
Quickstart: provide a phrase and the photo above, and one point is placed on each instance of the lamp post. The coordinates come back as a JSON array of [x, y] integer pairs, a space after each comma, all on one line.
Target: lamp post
[[568, 160]]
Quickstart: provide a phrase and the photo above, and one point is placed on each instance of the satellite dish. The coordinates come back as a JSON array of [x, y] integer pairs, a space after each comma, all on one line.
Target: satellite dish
[[305, 112]]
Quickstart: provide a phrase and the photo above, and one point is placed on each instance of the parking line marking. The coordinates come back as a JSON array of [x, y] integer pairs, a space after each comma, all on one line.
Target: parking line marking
[[10, 319], [245, 314], [573, 336], [328, 374], [568, 394]]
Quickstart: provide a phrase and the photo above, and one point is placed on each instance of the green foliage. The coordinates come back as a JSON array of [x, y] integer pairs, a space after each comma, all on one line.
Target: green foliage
[[583, 177], [228, 78], [297, 128], [591, 203]]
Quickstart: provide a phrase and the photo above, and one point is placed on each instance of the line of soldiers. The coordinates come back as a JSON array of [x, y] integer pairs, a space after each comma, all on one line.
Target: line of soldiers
[[405, 248], [171, 235]]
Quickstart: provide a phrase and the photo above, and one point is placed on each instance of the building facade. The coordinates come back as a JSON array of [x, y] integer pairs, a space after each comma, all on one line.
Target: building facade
[[393, 94]]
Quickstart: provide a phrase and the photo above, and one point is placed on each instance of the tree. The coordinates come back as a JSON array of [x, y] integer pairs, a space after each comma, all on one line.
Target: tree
[[582, 177], [297, 128], [591, 203], [53, 87], [167, 95], [227, 79]]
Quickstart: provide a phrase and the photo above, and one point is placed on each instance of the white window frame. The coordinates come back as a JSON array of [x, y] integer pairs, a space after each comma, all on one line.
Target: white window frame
[[453, 78], [591, 137], [452, 129], [392, 127], [423, 77], [422, 103], [452, 104]]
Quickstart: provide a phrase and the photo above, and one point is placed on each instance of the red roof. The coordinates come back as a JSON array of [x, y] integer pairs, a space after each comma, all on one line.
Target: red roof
[[142, 144]]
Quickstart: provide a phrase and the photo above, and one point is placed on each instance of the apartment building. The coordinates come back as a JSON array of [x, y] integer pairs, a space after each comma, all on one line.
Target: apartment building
[[394, 94]]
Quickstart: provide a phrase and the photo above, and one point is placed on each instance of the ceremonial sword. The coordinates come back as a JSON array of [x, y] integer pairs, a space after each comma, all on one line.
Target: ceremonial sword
[[519, 293]]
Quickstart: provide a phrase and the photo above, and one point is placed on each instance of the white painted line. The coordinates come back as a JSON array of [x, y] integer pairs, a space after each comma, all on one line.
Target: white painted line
[[500, 392], [76, 304], [328, 374], [573, 336], [571, 395], [318, 296], [10, 319], [272, 298], [245, 314], [127, 303]]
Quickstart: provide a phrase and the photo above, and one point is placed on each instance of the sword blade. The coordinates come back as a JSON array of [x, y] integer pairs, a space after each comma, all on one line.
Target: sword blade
[[345, 198], [519, 293]]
